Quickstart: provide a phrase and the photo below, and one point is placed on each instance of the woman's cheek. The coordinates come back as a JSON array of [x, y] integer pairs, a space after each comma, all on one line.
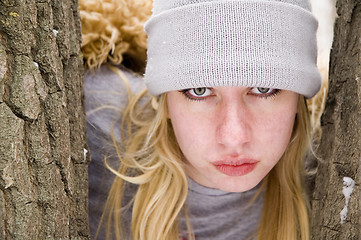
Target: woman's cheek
[[192, 134]]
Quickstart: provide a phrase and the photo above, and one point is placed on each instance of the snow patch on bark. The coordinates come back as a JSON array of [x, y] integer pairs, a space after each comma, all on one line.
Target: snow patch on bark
[[85, 153], [348, 185]]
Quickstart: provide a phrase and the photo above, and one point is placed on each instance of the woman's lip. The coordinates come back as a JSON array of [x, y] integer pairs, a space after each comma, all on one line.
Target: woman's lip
[[235, 167], [238, 161]]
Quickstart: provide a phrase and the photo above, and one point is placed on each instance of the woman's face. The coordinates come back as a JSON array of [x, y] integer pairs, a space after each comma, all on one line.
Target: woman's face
[[231, 137]]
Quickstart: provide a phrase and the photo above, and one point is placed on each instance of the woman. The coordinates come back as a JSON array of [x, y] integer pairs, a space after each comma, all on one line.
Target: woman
[[216, 150]]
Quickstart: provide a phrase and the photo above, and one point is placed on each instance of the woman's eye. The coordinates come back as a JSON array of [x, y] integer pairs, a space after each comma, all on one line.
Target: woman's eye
[[197, 93], [264, 92]]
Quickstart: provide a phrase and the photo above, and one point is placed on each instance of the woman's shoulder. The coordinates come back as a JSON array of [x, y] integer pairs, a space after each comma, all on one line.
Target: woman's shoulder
[[108, 86], [106, 95]]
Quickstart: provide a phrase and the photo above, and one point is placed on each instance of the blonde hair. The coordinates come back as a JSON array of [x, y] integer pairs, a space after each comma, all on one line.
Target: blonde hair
[[285, 213], [152, 159]]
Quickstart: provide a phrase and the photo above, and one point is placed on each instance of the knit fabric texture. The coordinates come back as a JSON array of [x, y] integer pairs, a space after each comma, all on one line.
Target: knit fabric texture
[[253, 43]]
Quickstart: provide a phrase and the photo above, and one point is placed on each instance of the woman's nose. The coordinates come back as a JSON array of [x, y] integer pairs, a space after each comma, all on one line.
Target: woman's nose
[[234, 122]]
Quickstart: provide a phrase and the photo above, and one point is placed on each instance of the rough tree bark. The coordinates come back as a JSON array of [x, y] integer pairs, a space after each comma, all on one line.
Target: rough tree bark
[[43, 162], [340, 147]]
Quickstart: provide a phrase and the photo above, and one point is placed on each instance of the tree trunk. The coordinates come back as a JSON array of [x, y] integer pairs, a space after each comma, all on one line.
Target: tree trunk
[[43, 162], [336, 210]]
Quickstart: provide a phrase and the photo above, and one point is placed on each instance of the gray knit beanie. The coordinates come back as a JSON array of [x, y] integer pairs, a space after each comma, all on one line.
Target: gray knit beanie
[[253, 43]]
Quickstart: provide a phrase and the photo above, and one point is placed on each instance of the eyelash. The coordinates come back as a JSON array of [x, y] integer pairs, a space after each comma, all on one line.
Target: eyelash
[[185, 92], [268, 95]]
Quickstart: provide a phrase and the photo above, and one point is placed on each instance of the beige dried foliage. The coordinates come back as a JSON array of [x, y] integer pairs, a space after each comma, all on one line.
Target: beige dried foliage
[[325, 12], [316, 105], [113, 28]]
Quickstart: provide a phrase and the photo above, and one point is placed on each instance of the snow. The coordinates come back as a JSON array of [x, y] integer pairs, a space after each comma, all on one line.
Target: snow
[[55, 32], [85, 153], [348, 185]]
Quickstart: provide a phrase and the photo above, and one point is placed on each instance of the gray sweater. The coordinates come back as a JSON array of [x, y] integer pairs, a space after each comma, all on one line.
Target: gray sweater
[[214, 214]]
